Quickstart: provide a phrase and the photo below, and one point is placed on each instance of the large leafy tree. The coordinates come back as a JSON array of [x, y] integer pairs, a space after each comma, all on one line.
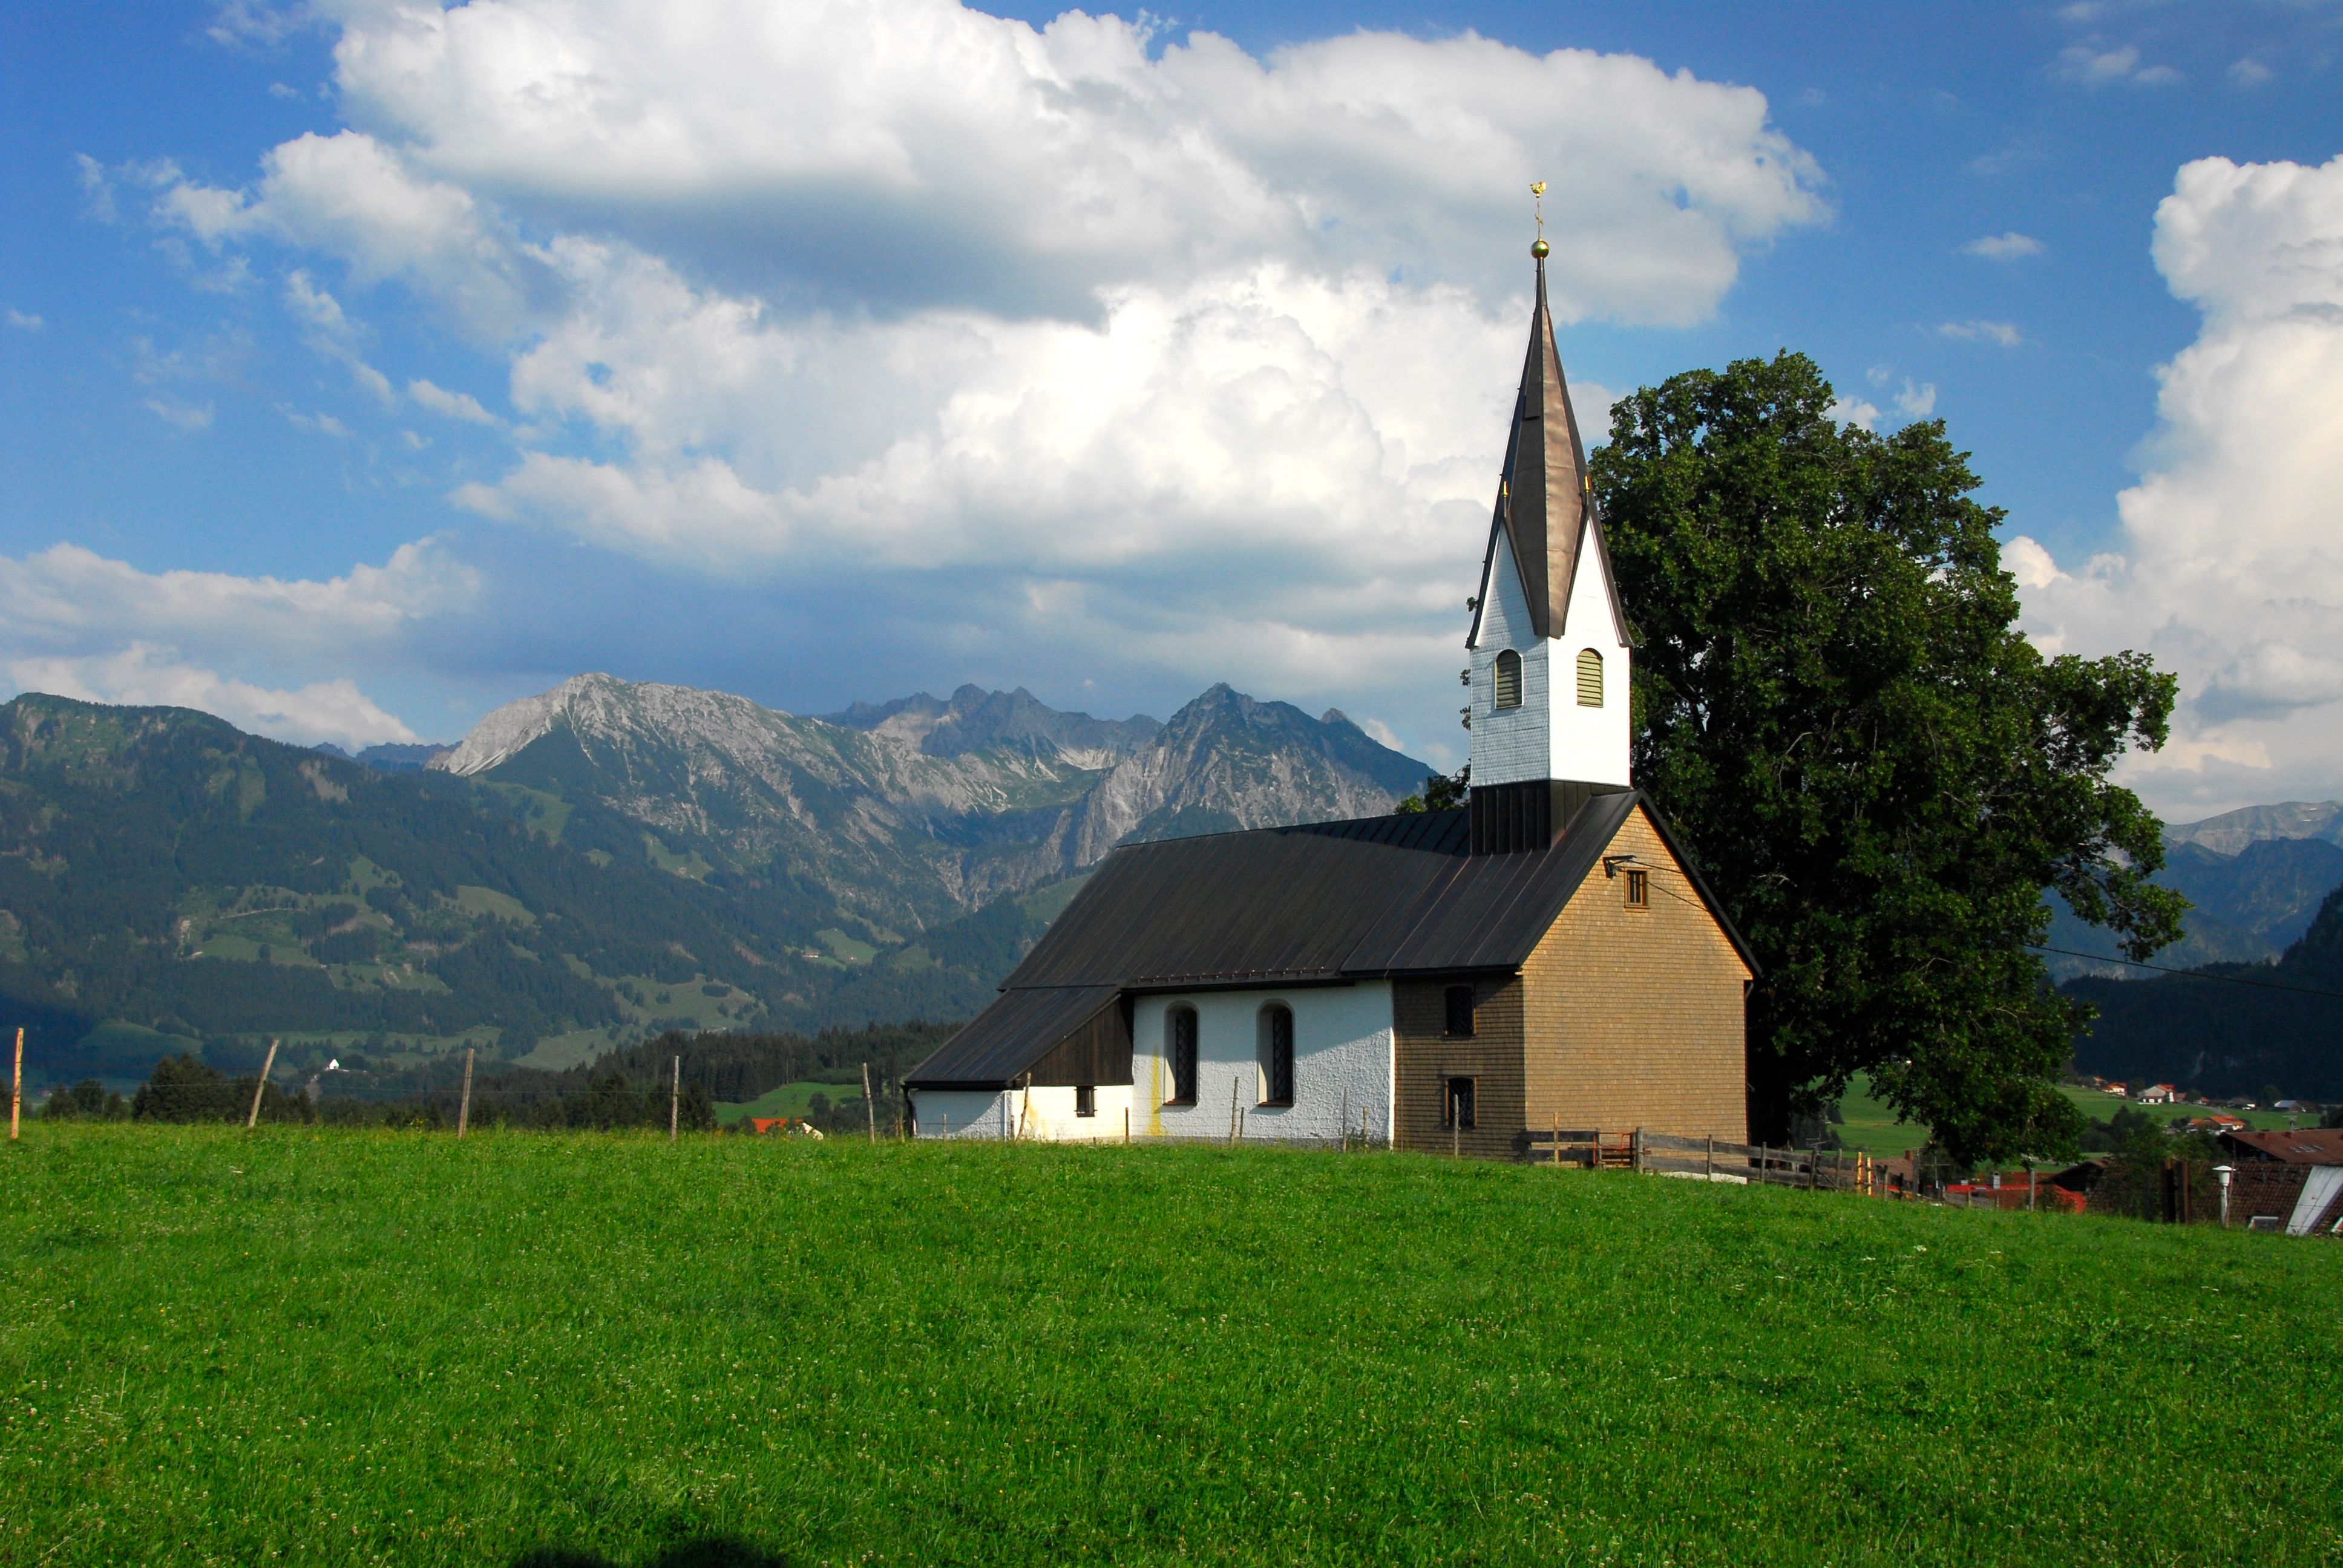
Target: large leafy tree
[[1879, 773]]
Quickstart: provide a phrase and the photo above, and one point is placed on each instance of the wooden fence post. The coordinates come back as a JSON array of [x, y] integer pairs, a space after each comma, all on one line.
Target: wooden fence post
[[253, 1120], [1708, 1161], [464, 1105], [870, 1108], [17, 1087], [674, 1098], [1635, 1150]]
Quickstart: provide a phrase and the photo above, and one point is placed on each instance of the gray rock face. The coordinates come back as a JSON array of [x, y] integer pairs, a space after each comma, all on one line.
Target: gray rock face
[[2231, 831], [2256, 878], [918, 810]]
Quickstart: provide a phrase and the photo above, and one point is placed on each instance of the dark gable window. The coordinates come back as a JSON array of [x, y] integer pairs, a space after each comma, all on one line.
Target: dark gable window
[[1460, 1012], [1456, 1104], [1277, 1054], [1086, 1100], [1179, 1026], [1639, 889], [1509, 679]]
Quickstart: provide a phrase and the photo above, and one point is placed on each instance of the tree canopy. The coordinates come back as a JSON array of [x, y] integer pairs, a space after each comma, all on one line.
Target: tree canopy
[[1879, 772]]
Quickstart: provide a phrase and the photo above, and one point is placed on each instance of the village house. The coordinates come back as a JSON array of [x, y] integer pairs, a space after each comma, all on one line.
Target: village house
[[2155, 1094], [1546, 956]]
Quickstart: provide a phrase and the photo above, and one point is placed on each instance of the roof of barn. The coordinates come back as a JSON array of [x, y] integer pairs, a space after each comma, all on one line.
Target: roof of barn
[[1318, 902]]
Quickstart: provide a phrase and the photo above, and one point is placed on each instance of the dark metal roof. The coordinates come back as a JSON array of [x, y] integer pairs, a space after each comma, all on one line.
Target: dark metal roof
[[1325, 901], [1010, 1036], [1318, 902]]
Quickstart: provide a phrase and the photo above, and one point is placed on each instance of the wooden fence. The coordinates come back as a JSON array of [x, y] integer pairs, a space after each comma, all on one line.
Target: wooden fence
[[1707, 1159]]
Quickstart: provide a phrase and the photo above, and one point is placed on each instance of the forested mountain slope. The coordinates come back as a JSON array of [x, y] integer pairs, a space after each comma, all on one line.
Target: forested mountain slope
[[607, 862], [2217, 1037]]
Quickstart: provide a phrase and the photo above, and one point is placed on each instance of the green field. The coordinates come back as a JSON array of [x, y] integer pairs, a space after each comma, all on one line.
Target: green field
[[790, 1100], [1871, 1125], [536, 1348]]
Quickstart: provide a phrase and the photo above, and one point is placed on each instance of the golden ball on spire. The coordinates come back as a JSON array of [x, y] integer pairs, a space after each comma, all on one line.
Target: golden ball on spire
[[1541, 250]]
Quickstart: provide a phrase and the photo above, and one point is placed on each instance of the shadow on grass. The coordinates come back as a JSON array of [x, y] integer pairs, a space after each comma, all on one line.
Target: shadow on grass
[[710, 1552]]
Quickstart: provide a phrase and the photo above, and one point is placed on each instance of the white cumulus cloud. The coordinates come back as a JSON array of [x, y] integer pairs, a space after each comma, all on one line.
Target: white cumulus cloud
[[324, 710], [2231, 567], [2007, 246], [74, 623], [1147, 344]]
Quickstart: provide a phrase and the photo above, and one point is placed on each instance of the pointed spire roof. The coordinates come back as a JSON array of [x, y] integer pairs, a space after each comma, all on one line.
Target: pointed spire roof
[[1545, 509]]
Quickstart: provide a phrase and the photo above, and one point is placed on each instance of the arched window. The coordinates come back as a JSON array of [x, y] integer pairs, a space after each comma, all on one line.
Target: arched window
[[1589, 678], [1276, 1054], [1180, 1046], [1509, 679]]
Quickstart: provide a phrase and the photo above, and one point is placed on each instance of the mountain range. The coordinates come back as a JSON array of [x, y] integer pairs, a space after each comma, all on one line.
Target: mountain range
[[591, 865], [2255, 878]]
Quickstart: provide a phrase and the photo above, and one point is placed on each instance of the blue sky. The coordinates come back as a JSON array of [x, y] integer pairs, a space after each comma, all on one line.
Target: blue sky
[[364, 367]]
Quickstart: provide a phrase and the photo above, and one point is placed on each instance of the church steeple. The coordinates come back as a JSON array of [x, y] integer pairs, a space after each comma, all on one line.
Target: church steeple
[[1548, 637]]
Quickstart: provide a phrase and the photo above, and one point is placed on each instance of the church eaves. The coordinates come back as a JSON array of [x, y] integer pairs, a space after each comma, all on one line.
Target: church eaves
[[1544, 510]]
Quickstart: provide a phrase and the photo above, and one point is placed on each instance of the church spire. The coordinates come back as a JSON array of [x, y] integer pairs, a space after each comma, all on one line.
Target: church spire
[[1549, 645], [1543, 501]]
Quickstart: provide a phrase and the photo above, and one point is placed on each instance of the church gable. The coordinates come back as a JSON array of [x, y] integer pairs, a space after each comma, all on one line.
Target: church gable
[[1633, 1002]]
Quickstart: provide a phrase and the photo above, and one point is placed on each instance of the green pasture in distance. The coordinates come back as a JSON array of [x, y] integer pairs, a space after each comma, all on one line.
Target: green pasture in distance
[[379, 1347], [1871, 1124], [790, 1100]]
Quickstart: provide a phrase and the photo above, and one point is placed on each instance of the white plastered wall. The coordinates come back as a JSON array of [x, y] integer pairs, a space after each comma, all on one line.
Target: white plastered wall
[[1044, 1114], [1550, 736], [1342, 1064], [1590, 744]]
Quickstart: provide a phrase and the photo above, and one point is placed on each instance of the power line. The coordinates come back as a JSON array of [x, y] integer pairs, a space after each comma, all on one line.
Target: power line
[[2191, 974]]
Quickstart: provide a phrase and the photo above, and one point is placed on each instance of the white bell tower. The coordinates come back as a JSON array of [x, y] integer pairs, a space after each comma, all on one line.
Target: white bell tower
[[1549, 640]]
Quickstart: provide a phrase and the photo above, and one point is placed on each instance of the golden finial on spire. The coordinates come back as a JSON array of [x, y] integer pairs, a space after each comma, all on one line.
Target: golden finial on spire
[[1537, 198]]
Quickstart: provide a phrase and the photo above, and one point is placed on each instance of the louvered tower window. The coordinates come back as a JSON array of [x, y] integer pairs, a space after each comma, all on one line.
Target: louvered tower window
[[1589, 678], [1509, 679]]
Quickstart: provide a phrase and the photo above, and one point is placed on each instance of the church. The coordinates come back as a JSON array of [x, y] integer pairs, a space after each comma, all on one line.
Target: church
[[1546, 956]]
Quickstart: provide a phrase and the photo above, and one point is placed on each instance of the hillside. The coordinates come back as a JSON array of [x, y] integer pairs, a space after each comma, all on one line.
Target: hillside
[[609, 1350], [604, 863], [2219, 1038]]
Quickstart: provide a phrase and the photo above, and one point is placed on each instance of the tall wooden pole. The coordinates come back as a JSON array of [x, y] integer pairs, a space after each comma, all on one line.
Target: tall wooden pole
[[260, 1089], [674, 1099], [464, 1106], [16, 1090], [870, 1108]]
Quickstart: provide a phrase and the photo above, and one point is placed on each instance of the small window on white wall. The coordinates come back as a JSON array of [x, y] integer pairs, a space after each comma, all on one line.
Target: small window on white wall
[[1509, 679], [1589, 678], [1277, 1054]]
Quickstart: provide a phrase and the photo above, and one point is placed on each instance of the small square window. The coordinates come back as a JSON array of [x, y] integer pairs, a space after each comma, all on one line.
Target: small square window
[[1086, 1100], [1639, 889], [1460, 1012]]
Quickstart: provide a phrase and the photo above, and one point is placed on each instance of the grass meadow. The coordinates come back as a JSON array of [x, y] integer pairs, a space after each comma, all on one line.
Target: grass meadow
[[541, 1348]]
